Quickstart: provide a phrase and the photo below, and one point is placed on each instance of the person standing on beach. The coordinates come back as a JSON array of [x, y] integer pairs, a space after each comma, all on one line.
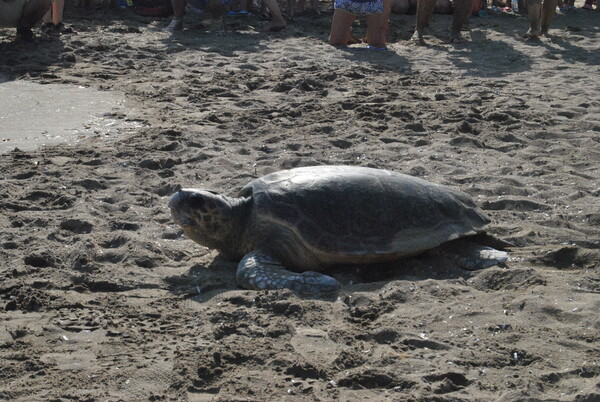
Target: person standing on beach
[[23, 15], [277, 22], [346, 11], [53, 20], [540, 13]]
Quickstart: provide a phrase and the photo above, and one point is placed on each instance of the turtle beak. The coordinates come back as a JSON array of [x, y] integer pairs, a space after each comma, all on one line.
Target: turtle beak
[[179, 207], [177, 199], [186, 206]]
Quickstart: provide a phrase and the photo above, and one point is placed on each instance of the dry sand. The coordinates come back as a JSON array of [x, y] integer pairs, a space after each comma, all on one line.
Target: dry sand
[[100, 288]]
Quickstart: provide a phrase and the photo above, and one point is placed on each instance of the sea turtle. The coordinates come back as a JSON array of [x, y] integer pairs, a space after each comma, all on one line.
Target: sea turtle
[[306, 219]]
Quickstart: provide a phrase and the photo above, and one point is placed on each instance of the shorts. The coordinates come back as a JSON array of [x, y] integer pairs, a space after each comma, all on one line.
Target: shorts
[[360, 7]]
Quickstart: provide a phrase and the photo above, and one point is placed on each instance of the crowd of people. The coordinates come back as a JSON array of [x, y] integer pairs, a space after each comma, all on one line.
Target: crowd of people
[[345, 13], [376, 13]]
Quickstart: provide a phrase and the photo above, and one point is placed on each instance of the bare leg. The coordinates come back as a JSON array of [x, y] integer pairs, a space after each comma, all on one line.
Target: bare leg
[[291, 8], [424, 11], [400, 6], [462, 11], [33, 12], [341, 28], [178, 8], [277, 22], [534, 11], [314, 4], [548, 11], [377, 26], [48, 16], [178, 13], [58, 6]]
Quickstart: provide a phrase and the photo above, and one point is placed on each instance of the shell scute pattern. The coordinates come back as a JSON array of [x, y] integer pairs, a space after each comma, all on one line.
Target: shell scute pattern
[[361, 210]]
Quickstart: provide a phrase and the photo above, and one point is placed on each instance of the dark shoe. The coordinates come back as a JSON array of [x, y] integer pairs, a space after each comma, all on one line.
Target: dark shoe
[[25, 34], [49, 30], [56, 29]]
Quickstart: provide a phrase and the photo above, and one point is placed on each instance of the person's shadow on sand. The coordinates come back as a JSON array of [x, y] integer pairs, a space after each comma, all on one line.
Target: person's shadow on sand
[[219, 44], [385, 58], [478, 62], [33, 59], [569, 51]]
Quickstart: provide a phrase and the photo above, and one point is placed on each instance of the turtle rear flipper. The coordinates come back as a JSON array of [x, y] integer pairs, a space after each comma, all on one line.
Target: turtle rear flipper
[[472, 256], [258, 271], [480, 257]]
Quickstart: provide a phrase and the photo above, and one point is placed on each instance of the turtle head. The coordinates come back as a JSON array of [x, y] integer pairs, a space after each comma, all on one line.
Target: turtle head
[[205, 216]]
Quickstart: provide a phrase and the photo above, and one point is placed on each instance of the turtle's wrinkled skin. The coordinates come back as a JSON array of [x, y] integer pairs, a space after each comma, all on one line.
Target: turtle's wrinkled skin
[[308, 219]]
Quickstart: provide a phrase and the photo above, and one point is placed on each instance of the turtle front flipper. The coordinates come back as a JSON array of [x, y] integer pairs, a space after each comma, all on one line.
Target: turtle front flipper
[[258, 271]]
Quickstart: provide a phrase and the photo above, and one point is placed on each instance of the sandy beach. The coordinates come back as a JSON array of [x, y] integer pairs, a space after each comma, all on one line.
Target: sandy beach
[[104, 298]]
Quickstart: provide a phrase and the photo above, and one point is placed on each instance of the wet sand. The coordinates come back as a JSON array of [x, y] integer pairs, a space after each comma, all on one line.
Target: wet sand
[[34, 115], [105, 299]]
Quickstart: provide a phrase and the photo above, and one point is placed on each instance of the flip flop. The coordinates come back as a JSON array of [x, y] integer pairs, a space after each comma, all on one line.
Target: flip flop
[[371, 47]]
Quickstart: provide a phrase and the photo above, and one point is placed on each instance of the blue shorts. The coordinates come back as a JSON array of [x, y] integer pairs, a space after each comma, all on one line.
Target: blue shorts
[[360, 7]]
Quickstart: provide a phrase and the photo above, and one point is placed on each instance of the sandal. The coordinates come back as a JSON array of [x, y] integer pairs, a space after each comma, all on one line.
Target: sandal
[[373, 47]]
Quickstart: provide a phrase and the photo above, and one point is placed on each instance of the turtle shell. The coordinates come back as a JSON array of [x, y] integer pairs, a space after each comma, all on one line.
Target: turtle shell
[[350, 212]]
